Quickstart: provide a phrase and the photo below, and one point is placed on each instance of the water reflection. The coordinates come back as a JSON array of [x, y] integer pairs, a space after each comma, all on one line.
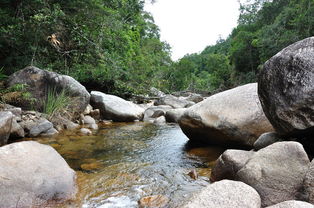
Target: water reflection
[[122, 163]]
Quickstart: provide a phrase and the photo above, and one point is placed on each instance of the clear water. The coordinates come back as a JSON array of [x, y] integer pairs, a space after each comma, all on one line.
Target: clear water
[[123, 162]]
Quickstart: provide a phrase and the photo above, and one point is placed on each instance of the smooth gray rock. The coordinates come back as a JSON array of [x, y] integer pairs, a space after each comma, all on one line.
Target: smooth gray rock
[[32, 175], [266, 139], [229, 163], [61, 123], [6, 119], [309, 184], [230, 118], [40, 81], [292, 204], [174, 115], [173, 101], [85, 131], [17, 131], [286, 89], [115, 108], [88, 109], [41, 126], [155, 92], [276, 172], [150, 111], [50, 132], [89, 120], [17, 112], [158, 113], [226, 194], [93, 126], [160, 120], [196, 98]]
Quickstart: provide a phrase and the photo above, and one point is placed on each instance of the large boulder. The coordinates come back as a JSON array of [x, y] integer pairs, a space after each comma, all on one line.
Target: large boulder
[[292, 204], [276, 172], [115, 108], [227, 194], [230, 118], [173, 101], [229, 163], [286, 89], [6, 119], [309, 184], [33, 175], [39, 82]]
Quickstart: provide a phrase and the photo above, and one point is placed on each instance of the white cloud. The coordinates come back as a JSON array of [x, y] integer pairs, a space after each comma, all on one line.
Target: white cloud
[[191, 25]]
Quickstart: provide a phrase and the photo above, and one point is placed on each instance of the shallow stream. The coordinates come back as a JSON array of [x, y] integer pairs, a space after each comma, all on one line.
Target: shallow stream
[[124, 162]]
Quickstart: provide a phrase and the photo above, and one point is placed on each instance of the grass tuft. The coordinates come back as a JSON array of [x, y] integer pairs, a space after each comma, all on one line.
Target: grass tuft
[[56, 102]]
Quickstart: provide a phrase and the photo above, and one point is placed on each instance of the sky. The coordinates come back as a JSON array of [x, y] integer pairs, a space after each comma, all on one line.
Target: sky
[[191, 25]]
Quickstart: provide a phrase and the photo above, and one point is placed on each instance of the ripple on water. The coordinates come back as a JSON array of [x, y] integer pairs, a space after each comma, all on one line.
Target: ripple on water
[[125, 162]]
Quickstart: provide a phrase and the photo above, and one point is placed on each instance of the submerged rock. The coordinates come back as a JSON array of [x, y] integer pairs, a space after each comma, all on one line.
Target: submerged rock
[[115, 108], [6, 119], [226, 194], [193, 174], [286, 89], [230, 118], [156, 201], [276, 172], [34, 175], [39, 82]]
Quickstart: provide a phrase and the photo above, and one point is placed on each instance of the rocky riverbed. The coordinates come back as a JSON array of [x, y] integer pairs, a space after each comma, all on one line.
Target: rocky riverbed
[[121, 163]]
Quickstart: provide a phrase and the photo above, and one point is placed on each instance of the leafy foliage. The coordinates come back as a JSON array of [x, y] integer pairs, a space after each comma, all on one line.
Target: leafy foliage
[[264, 28], [113, 44]]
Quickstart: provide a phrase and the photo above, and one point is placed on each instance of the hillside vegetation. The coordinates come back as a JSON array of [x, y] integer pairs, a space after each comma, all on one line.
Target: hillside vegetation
[[114, 45]]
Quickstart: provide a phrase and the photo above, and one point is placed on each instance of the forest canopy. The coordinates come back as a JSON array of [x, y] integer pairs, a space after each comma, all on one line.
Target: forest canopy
[[115, 46]]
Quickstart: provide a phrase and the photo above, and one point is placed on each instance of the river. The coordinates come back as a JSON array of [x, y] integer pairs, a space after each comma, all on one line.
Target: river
[[123, 162]]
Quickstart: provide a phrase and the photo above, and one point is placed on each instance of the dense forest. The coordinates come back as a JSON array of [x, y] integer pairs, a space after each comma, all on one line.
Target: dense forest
[[264, 28], [114, 45]]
